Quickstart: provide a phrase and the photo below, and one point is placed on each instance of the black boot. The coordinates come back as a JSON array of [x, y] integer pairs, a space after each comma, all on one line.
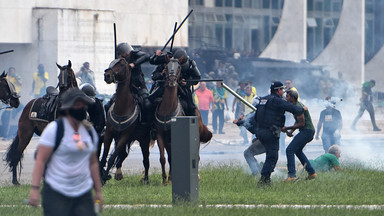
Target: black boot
[[264, 182], [146, 103]]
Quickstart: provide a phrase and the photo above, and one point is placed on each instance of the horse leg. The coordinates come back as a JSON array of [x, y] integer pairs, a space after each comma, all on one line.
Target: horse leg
[[168, 148], [15, 151], [120, 159], [144, 145], [99, 144], [160, 143], [112, 160], [107, 145]]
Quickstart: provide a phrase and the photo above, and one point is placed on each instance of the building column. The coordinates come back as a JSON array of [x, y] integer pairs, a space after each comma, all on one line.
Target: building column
[[290, 40]]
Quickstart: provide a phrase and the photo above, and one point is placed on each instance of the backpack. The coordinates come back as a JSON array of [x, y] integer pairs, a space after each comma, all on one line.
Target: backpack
[[59, 137]]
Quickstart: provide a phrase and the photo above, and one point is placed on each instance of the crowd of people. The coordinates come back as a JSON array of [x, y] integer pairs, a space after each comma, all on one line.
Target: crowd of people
[[268, 124], [271, 120]]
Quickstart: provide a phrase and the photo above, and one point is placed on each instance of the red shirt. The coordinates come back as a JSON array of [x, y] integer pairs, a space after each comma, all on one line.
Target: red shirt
[[205, 97]]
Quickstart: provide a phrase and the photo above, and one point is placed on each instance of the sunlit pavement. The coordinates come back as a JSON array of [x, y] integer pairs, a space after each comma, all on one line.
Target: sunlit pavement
[[363, 145]]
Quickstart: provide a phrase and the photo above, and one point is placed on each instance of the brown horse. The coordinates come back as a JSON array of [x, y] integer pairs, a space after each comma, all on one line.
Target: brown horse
[[123, 119], [28, 124], [168, 108], [8, 94]]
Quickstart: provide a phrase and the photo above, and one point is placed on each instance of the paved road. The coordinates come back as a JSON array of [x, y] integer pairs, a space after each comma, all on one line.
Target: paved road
[[364, 146]]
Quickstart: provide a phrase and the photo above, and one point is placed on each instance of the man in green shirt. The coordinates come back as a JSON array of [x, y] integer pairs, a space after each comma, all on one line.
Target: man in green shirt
[[328, 161], [307, 131]]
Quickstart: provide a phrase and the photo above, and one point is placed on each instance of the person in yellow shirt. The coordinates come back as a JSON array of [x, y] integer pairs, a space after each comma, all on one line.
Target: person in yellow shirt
[[8, 127], [40, 79], [289, 86], [220, 96], [15, 79], [254, 92]]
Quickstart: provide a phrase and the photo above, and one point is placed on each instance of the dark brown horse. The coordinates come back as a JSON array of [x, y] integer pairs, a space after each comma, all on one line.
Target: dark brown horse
[[29, 124], [8, 94], [168, 108], [123, 118]]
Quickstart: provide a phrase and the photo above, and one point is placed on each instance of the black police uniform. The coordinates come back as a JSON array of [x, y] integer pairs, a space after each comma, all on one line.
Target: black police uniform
[[189, 71], [270, 119], [137, 76], [137, 79]]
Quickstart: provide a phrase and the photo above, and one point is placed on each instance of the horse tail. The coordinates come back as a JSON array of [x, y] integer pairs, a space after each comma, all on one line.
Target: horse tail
[[205, 134], [13, 157]]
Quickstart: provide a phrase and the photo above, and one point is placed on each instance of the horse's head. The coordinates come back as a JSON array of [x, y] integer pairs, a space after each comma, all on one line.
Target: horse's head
[[8, 94], [172, 71], [67, 78], [118, 71]]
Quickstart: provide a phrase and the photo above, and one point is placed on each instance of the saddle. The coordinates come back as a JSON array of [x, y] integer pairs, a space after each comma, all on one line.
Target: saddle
[[45, 108]]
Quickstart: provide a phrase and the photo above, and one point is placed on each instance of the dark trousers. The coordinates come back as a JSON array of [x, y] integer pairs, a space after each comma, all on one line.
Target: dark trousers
[[271, 144], [296, 148], [204, 116], [369, 107], [218, 114], [56, 204]]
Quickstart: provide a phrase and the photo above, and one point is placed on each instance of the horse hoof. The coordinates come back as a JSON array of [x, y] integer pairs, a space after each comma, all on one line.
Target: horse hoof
[[119, 176], [144, 181]]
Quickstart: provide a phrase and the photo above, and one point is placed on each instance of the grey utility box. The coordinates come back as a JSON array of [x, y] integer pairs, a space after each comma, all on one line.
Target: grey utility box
[[185, 159]]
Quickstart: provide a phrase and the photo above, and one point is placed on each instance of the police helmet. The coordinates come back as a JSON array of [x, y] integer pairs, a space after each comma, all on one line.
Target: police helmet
[[88, 89], [178, 53], [123, 48]]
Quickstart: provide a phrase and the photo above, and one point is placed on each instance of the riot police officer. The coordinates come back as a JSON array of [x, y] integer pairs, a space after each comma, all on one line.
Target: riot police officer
[[189, 71], [270, 120], [134, 58]]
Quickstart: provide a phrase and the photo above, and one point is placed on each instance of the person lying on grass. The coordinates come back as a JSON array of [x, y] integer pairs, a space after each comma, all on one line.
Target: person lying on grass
[[328, 161]]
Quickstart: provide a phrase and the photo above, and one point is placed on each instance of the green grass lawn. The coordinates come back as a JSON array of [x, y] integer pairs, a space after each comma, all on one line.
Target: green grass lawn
[[230, 184]]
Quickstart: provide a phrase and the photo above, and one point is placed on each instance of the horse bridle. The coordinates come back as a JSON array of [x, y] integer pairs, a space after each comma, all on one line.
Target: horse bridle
[[12, 94], [173, 67], [114, 73], [63, 78]]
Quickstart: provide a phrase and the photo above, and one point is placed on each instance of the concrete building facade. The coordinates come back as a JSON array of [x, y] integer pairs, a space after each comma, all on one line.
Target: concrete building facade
[[43, 31]]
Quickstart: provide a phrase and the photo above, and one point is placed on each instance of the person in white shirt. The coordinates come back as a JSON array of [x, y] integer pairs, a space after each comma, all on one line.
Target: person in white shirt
[[70, 170]]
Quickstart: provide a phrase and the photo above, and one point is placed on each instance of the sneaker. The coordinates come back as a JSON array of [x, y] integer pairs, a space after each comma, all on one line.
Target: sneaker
[[291, 179], [311, 176]]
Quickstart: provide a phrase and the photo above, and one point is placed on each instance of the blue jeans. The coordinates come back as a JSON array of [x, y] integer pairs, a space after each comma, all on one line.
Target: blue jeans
[[243, 133], [271, 144], [54, 203], [296, 148], [204, 116], [256, 148], [218, 113], [329, 139]]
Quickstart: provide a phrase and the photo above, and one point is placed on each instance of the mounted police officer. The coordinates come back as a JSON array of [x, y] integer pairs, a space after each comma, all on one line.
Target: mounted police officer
[[189, 71], [270, 120], [134, 58]]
